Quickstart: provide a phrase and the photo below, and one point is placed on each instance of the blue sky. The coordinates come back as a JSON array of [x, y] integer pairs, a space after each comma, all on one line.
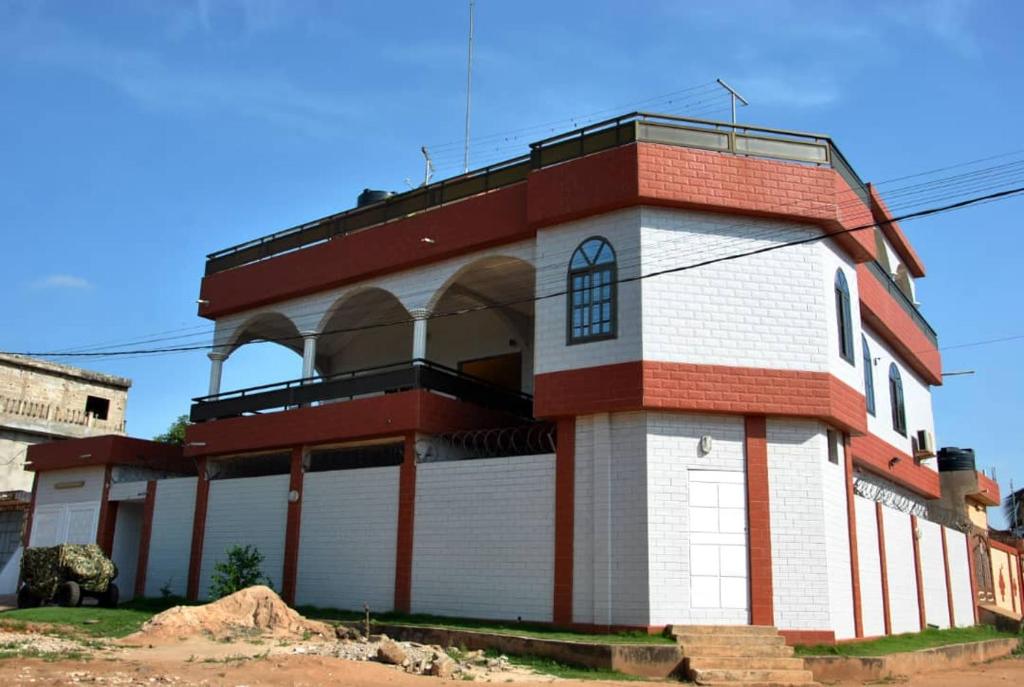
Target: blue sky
[[137, 137]]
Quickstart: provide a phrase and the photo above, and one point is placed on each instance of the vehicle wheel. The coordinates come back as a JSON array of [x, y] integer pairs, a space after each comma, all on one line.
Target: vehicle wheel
[[69, 594], [108, 599], [27, 599]]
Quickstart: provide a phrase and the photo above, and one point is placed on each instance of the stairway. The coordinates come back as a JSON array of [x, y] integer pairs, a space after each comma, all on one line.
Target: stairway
[[745, 655]]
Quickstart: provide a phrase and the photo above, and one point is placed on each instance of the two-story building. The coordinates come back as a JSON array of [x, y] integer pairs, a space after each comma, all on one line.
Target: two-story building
[[657, 371]]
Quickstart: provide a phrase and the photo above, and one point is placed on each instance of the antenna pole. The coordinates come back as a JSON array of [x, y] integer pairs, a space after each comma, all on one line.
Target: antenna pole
[[734, 96], [428, 165], [469, 85]]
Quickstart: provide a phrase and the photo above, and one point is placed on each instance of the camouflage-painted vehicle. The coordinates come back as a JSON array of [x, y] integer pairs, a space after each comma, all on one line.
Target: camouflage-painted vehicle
[[65, 574]]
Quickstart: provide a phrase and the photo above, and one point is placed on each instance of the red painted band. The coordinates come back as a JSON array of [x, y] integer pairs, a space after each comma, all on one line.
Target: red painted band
[[759, 531], [949, 584], [884, 459], [884, 567], [145, 536], [108, 516], [918, 572], [27, 536], [406, 527], [198, 531], [565, 504], [851, 522], [292, 528]]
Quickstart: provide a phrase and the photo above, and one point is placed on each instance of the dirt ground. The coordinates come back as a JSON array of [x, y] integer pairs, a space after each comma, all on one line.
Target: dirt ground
[[201, 662]]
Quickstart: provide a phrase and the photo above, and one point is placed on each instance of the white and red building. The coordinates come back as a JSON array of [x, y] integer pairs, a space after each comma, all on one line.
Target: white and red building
[[554, 390]]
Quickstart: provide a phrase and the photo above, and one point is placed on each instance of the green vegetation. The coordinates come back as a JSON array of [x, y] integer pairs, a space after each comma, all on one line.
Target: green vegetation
[[21, 651], [546, 666], [912, 641], [175, 434], [536, 630], [90, 621], [243, 568]]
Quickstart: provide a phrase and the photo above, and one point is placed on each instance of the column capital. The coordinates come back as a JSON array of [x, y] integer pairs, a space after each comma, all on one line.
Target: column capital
[[309, 334], [420, 313], [217, 356]]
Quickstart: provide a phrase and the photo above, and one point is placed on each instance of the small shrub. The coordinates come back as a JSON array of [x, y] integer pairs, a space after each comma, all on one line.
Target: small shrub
[[240, 570]]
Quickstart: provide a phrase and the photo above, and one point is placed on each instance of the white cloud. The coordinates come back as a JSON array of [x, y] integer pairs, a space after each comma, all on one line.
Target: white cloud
[[62, 281]]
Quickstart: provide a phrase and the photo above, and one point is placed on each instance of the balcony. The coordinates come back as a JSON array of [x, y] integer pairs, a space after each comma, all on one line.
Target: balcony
[[416, 374]]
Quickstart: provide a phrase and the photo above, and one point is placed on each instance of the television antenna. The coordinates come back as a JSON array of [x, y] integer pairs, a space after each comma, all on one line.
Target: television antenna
[[469, 85]]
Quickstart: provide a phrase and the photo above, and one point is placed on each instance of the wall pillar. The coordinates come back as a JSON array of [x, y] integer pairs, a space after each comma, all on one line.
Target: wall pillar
[[308, 355], [26, 536], [419, 333], [759, 533], [406, 526], [918, 573], [216, 368], [293, 527], [198, 531], [884, 567], [144, 538], [949, 584], [565, 505], [851, 519], [108, 516]]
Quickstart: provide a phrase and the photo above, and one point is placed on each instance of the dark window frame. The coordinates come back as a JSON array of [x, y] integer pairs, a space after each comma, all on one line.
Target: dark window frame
[[844, 318], [869, 376], [97, 406], [897, 401], [609, 271]]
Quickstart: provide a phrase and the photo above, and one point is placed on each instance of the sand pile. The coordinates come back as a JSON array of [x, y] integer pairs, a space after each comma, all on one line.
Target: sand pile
[[253, 611]]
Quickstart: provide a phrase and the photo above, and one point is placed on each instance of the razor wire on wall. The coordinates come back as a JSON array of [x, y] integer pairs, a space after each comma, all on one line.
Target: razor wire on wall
[[499, 442]]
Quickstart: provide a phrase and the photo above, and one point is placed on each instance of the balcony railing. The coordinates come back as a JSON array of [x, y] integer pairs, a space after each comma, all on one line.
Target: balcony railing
[[752, 141], [908, 305], [413, 374]]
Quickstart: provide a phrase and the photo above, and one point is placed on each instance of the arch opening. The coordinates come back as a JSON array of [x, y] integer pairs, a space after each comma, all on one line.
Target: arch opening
[[370, 328]]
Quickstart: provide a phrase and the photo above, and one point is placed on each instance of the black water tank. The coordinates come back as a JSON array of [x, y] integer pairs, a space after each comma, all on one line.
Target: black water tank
[[370, 196], [952, 459]]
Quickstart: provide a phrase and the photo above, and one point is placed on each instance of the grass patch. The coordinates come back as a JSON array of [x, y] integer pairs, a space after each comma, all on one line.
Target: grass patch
[[91, 621], [536, 630], [546, 666], [912, 641]]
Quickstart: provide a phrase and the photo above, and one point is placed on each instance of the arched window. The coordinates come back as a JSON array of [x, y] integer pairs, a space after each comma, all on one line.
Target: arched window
[[843, 317], [869, 376], [899, 412], [592, 292]]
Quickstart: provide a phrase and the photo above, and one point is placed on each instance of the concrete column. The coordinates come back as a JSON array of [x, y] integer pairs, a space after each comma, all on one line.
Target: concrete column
[[308, 355], [419, 333], [216, 367]]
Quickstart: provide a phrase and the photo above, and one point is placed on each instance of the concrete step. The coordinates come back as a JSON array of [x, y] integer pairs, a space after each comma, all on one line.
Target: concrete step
[[744, 662], [676, 630], [744, 677], [729, 650], [691, 641]]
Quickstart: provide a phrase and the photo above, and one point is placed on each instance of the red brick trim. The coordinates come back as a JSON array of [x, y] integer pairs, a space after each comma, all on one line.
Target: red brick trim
[[759, 530], [884, 567], [876, 455], [988, 490], [195, 561], [292, 528], [851, 521], [108, 516], [895, 234], [949, 583], [974, 582], [108, 449], [565, 505], [145, 536], [808, 637], [918, 573], [652, 385], [887, 318], [26, 536], [406, 527], [391, 415]]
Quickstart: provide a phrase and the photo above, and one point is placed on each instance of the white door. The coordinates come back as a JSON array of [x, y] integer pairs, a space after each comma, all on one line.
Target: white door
[[70, 523], [718, 540]]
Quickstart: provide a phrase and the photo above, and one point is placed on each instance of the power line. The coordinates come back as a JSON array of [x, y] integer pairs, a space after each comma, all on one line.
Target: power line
[[625, 261], [624, 280]]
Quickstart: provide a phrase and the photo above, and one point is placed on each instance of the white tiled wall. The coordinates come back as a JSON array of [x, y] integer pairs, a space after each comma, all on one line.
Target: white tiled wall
[[484, 543], [899, 556], [933, 572], [246, 512], [960, 578], [869, 561], [800, 568], [347, 541], [171, 537]]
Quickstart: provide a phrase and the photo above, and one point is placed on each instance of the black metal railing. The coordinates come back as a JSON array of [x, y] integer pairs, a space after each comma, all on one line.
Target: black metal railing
[[738, 139], [886, 280], [403, 376]]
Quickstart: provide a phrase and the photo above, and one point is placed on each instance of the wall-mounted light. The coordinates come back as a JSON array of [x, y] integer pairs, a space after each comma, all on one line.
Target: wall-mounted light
[[293, 496], [427, 240], [196, 444], [85, 456], [706, 443], [77, 484], [893, 461], [202, 301]]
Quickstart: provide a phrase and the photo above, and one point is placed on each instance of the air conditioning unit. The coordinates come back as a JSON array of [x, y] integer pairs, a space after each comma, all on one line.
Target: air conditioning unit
[[925, 444]]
